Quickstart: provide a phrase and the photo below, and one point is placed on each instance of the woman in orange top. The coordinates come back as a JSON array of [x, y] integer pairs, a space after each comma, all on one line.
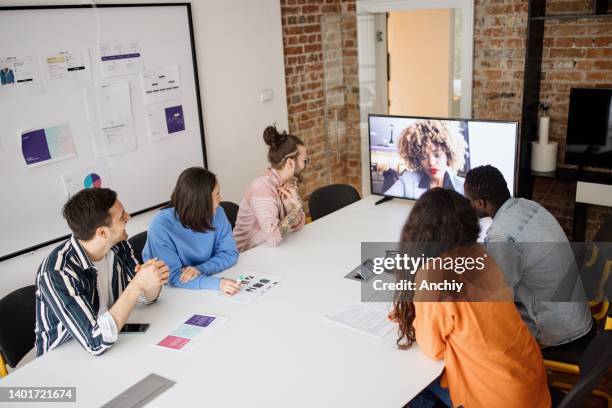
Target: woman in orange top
[[491, 359]]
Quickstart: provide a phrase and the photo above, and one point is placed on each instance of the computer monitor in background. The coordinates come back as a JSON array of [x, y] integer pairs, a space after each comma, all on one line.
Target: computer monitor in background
[[589, 128], [410, 155]]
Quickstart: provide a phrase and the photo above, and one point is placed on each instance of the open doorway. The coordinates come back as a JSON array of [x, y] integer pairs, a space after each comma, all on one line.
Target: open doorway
[[415, 59], [423, 63]]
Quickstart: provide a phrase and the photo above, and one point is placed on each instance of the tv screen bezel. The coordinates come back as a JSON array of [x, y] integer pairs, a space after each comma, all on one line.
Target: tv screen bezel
[[516, 145]]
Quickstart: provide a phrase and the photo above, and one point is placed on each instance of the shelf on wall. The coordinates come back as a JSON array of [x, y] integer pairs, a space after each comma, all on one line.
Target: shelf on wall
[[571, 174], [600, 10], [570, 16]]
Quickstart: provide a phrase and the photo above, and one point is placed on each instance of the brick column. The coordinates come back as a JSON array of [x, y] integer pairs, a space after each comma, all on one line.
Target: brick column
[[306, 99]]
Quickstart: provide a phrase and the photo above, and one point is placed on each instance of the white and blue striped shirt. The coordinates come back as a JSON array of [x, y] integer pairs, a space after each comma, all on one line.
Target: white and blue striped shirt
[[67, 299]]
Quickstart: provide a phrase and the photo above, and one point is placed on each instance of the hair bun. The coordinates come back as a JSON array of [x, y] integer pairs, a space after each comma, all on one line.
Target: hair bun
[[273, 138]]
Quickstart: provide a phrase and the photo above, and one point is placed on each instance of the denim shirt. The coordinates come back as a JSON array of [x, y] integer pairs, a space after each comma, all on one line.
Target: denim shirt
[[536, 258]]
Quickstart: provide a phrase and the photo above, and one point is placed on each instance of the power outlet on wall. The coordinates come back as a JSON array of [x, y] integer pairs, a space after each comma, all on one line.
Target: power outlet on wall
[[266, 95]]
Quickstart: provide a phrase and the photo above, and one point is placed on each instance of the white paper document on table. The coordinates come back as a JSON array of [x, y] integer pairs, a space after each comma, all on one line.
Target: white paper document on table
[[371, 319], [253, 286], [185, 336]]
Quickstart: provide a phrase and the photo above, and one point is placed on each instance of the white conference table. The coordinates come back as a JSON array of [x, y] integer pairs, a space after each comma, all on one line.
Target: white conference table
[[277, 351]]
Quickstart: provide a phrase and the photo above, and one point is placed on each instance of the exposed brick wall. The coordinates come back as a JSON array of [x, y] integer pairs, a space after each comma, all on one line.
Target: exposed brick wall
[[576, 53], [311, 27], [499, 58]]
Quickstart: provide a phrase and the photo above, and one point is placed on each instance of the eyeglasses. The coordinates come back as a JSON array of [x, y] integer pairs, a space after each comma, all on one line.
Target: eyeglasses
[[295, 157]]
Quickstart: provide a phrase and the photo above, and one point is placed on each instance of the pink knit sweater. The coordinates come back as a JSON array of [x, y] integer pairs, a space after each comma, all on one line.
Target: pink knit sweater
[[261, 211]]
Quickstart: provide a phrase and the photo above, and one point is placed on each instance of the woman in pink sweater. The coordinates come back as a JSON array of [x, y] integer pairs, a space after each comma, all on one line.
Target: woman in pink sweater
[[271, 206]]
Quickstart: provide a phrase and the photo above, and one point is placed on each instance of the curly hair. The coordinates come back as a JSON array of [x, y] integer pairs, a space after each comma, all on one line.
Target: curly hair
[[414, 139], [439, 221]]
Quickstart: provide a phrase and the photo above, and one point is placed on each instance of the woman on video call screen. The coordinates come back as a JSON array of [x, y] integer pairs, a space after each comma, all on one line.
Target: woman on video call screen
[[412, 155]]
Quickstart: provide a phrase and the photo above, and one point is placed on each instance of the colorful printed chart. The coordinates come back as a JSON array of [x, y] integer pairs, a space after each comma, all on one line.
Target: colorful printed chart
[[95, 175], [92, 181], [47, 145], [186, 332]]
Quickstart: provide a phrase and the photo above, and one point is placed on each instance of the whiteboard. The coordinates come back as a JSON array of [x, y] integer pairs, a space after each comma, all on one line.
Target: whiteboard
[[62, 94]]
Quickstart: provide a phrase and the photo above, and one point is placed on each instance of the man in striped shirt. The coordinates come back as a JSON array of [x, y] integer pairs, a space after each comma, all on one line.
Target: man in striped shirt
[[88, 286]]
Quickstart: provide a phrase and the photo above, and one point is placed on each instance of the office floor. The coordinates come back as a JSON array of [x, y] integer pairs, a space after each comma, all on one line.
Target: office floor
[[592, 402]]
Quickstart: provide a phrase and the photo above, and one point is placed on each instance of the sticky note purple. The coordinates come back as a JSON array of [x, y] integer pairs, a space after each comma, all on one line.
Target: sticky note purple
[[34, 147], [200, 320], [174, 119]]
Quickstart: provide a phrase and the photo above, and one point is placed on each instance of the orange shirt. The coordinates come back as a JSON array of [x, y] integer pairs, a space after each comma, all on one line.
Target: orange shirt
[[491, 359]]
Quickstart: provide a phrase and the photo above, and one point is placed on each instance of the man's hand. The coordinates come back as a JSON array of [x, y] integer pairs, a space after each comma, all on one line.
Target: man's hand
[[148, 280], [290, 197], [160, 264], [151, 275], [189, 273]]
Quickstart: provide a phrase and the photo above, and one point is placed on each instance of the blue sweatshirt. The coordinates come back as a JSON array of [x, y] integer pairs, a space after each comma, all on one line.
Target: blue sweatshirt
[[210, 252]]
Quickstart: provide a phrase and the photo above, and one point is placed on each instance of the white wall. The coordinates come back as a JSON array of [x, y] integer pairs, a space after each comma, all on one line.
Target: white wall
[[239, 52]]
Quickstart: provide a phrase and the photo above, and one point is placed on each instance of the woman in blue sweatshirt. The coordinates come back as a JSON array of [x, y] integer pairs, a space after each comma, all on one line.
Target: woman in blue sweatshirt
[[193, 235]]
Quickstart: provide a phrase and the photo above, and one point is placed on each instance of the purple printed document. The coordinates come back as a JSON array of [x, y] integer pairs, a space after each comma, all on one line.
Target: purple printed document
[[185, 337], [46, 145], [34, 146], [200, 320], [175, 121]]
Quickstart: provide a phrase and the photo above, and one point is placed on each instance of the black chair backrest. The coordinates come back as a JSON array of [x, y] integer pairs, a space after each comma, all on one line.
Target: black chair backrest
[[17, 323], [138, 242], [231, 210], [327, 199], [594, 363], [597, 255], [604, 233]]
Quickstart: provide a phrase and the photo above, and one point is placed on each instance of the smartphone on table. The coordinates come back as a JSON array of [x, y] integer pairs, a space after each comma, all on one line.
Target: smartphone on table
[[134, 328]]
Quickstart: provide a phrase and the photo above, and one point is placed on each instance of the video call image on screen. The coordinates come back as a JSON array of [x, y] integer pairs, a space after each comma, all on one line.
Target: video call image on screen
[[411, 155]]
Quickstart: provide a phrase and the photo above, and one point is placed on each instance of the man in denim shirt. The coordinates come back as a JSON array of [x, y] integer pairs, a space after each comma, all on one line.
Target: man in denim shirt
[[537, 260]]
